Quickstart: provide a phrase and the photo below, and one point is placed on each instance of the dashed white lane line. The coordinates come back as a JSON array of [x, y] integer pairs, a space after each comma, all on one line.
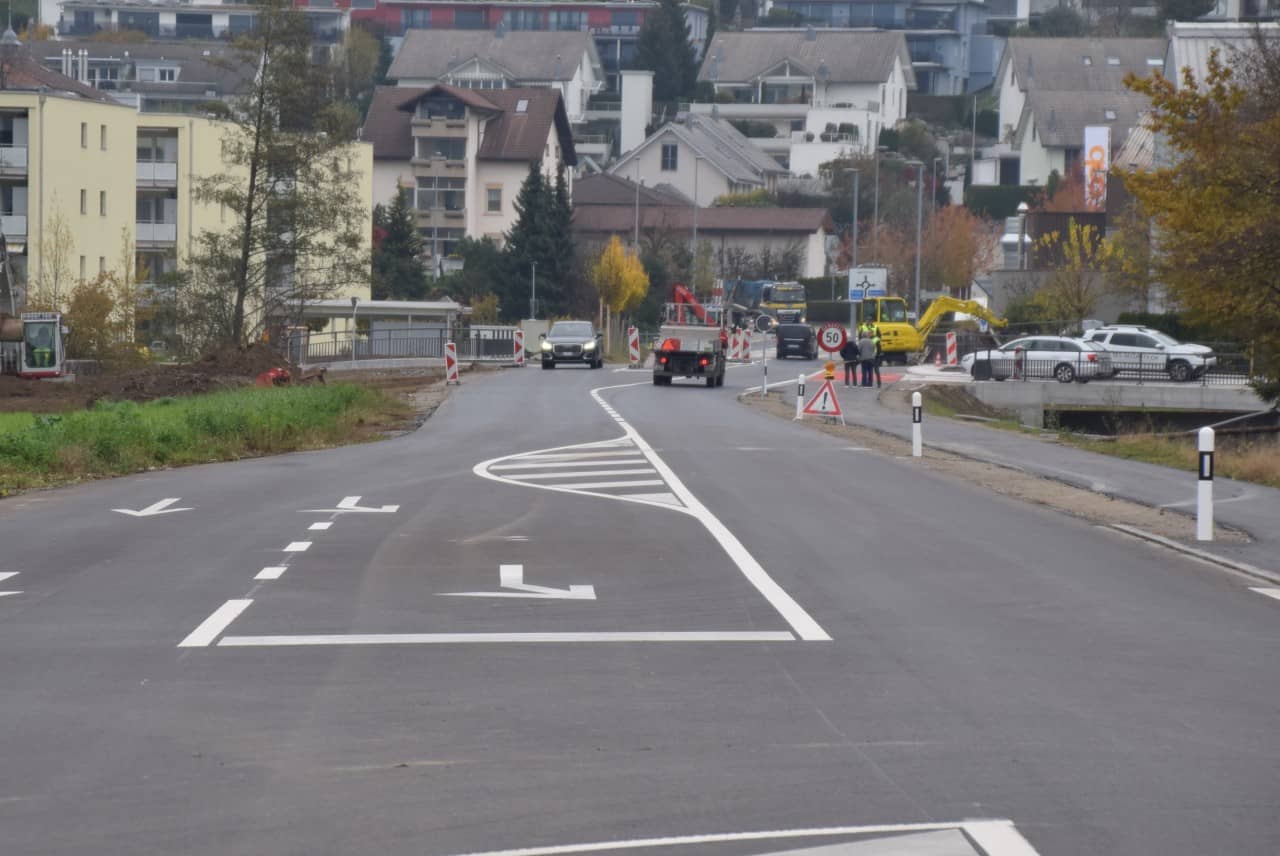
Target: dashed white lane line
[[298, 547], [271, 573], [1269, 592], [215, 624], [321, 526]]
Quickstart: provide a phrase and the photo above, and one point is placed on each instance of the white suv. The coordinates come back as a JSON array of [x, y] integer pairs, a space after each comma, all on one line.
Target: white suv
[[1141, 350]]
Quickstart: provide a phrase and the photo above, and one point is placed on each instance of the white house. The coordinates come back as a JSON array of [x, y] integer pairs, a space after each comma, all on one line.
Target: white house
[[831, 91], [462, 154]]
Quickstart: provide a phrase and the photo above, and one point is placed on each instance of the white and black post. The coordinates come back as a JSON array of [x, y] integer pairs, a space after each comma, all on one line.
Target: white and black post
[[917, 411], [1204, 488], [764, 362], [800, 398]]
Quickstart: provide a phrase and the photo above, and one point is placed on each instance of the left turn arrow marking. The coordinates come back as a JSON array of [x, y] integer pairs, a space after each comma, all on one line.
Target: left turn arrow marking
[[161, 507]]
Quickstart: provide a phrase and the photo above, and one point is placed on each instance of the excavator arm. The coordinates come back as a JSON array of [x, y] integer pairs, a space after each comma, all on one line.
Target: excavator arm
[[942, 305], [684, 295]]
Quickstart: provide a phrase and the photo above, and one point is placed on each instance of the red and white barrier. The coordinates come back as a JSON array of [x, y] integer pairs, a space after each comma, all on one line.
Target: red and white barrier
[[451, 363], [952, 358], [518, 347], [633, 346]]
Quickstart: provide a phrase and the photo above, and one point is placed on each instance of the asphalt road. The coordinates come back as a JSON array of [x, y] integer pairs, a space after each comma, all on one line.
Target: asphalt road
[[553, 617]]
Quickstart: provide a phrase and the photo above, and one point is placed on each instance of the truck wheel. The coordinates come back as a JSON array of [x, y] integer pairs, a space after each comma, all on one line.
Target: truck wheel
[[547, 364], [711, 381], [657, 381], [720, 379]]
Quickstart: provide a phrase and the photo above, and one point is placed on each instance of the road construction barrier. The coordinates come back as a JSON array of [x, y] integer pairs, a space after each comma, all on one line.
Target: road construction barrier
[[518, 347], [633, 346], [952, 359], [451, 363]]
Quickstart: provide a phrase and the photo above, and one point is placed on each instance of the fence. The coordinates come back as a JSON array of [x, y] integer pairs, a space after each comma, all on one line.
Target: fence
[[1228, 370], [474, 344]]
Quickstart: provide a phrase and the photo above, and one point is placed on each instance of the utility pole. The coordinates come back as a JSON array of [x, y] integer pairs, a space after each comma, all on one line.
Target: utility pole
[[533, 291]]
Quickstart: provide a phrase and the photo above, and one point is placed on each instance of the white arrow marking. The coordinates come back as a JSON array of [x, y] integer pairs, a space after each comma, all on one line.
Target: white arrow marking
[[352, 503], [161, 507], [512, 577], [4, 575]]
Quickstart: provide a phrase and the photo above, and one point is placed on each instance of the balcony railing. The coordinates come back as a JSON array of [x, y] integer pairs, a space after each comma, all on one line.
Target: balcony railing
[[157, 233], [13, 159], [157, 172], [13, 224]]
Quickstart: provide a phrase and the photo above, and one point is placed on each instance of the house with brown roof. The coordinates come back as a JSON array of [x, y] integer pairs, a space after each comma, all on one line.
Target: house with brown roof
[[462, 154], [608, 205]]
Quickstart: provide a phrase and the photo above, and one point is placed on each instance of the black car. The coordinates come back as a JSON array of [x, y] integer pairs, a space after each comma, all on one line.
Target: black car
[[796, 340], [572, 342]]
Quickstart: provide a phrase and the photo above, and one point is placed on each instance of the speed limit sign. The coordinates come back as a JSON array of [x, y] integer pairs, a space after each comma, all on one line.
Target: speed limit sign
[[831, 336]]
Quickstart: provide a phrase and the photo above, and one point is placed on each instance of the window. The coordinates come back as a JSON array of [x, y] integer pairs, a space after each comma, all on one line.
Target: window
[[416, 19], [449, 148], [469, 19], [624, 19], [522, 105], [102, 203], [84, 135], [441, 194], [441, 242], [1110, 115], [523, 19], [84, 201], [239, 25], [166, 75], [102, 137], [364, 4], [441, 108], [493, 200], [563, 20], [670, 157], [1113, 60]]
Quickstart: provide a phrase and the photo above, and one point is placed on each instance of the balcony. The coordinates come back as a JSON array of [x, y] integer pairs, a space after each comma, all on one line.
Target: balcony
[[749, 111], [13, 225], [153, 234], [157, 174], [13, 160]]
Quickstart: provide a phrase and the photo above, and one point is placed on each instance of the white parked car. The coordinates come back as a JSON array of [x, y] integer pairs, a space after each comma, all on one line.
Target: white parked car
[[1141, 350], [1059, 357]]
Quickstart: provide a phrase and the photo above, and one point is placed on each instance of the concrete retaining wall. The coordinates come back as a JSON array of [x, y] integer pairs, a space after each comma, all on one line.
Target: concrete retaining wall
[[1030, 399]]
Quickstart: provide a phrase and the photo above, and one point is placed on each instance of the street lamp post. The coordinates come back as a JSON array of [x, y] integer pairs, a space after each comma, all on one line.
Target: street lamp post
[[533, 290], [919, 165], [635, 238], [933, 189], [875, 208], [693, 263], [853, 224]]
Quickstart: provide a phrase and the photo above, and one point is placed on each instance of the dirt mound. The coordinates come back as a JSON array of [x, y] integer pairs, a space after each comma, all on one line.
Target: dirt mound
[[222, 368]]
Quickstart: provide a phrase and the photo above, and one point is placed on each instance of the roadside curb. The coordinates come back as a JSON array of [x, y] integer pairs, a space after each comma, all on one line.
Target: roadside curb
[[1203, 555]]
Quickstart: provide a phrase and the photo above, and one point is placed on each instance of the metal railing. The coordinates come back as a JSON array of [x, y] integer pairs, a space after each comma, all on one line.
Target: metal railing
[[1227, 370], [475, 344]]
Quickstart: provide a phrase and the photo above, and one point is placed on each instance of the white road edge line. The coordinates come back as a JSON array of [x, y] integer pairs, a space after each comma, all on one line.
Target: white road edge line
[[988, 831], [215, 624], [800, 620], [499, 638]]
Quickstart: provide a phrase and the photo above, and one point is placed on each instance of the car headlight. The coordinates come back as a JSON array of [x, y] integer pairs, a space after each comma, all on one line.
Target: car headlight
[[546, 346], [589, 346]]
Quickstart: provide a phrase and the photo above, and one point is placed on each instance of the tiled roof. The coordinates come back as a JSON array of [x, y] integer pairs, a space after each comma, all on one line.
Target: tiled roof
[[1061, 117], [204, 67], [512, 135], [849, 56], [1081, 65], [526, 55], [606, 189], [20, 70], [718, 143]]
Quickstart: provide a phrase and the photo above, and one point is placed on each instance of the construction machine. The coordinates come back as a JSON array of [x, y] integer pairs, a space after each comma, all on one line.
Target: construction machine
[[692, 341], [32, 345], [748, 299], [899, 338]]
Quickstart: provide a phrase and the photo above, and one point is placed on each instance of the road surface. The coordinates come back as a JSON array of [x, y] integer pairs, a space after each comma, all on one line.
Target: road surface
[[577, 608]]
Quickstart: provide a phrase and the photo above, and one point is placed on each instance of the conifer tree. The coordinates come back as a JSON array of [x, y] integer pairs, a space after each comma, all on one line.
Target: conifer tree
[[398, 273], [663, 47]]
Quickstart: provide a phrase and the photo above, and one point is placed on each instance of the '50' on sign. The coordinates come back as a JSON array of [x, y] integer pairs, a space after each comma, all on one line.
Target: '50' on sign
[[831, 336]]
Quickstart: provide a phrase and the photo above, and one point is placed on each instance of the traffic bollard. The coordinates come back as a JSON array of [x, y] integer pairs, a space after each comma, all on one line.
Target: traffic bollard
[[917, 442], [764, 362], [1204, 488], [800, 398]]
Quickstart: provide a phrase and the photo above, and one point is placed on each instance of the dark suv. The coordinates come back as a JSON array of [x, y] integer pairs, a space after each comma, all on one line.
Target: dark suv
[[796, 340], [572, 342]]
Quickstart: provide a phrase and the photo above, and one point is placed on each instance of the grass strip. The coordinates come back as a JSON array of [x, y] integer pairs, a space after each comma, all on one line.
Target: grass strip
[[121, 437], [1256, 460]]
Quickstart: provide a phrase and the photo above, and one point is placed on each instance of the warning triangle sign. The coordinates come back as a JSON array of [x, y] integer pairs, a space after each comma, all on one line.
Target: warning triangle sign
[[824, 402]]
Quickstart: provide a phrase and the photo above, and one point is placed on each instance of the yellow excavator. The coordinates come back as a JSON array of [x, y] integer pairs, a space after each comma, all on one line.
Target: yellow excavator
[[899, 338]]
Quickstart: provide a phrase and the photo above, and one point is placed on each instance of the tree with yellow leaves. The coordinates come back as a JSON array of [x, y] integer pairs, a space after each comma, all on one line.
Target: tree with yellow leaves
[[621, 281], [1213, 203], [1075, 284]]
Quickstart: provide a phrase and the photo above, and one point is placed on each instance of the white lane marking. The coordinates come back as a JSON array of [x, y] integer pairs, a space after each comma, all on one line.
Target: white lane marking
[[161, 507], [512, 577], [321, 526], [4, 575], [989, 830], [609, 484], [587, 473], [547, 465], [1269, 592], [560, 456], [215, 624], [464, 638], [664, 498], [298, 547], [800, 620], [351, 504], [273, 572]]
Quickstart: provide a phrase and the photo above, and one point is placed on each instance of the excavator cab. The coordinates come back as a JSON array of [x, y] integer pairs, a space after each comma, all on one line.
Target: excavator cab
[[42, 345]]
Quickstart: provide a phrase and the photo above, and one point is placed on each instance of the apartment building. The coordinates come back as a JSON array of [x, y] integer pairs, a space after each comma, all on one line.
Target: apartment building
[[84, 178], [819, 94], [178, 19], [462, 154]]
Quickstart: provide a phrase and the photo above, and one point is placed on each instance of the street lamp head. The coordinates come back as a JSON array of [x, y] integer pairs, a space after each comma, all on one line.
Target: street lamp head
[[1023, 208], [354, 300]]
